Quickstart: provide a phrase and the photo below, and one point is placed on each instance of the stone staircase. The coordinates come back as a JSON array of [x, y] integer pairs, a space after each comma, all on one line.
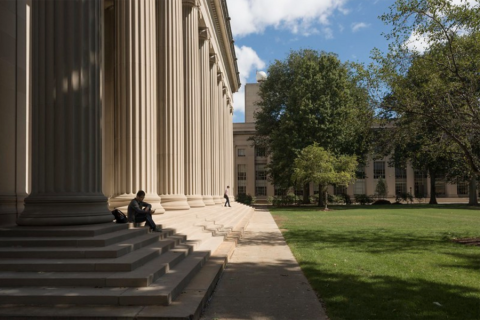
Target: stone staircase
[[118, 271]]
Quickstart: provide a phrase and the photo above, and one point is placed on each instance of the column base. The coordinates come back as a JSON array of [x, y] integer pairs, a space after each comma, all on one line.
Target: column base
[[121, 202], [64, 211], [195, 201], [174, 202], [208, 200], [218, 200]]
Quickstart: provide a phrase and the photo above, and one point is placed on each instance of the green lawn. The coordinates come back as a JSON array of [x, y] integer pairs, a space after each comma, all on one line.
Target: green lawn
[[388, 262]]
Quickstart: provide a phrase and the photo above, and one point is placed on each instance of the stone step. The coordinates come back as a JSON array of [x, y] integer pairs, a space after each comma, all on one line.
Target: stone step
[[112, 251], [96, 241], [161, 292], [140, 277], [64, 232], [124, 263]]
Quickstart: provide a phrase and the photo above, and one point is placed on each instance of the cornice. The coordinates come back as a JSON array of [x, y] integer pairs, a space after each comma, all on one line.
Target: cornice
[[191, 3]]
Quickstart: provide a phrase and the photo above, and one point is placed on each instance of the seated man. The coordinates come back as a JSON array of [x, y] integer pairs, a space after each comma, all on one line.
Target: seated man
[[142, 211]]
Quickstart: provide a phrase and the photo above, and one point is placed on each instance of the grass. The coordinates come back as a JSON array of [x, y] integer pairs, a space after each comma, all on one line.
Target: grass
[[388, 262]]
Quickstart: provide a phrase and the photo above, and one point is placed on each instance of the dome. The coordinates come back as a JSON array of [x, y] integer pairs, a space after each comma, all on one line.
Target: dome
[[261, 76]]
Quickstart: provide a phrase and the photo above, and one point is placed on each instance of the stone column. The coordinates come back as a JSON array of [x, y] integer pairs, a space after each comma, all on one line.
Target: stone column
[[217, 198], [66, 130], [231, 168], [136, 103], [171, 117], [221, 137], [192, 103], [205, 114]]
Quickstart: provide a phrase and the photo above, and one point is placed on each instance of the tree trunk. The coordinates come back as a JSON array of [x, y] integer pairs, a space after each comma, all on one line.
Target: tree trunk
[[433, 196], [306, 193], [326, 199], [472, 192]]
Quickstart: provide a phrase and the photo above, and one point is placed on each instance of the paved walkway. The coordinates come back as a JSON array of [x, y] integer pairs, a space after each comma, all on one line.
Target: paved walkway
[[263, 281]]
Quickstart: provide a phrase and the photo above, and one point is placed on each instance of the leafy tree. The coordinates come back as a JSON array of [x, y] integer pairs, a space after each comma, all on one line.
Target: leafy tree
[[381, 189], [317, 165], [440, 86], [311, 97]]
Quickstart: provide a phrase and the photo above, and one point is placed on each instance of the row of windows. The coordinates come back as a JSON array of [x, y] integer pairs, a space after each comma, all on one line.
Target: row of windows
[[420, 182], [259, 152]]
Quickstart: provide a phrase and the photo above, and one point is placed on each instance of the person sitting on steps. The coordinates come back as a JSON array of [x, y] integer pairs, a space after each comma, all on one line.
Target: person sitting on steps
[[142, 211]]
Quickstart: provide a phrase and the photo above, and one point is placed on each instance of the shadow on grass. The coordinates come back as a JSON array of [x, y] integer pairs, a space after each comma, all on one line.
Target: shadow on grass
[[382, 297], [376, 207], [471, 262], [375, 241]]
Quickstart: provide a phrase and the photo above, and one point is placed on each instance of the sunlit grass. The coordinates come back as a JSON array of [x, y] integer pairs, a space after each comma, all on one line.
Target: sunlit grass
[[388, 262]]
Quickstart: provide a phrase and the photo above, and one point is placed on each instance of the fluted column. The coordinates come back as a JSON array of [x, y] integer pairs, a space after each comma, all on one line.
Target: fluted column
[[66, 115], [171, 154], [192, 104], [136, 103], [205, 114], [231, 152], [217, 198], [221, 136]]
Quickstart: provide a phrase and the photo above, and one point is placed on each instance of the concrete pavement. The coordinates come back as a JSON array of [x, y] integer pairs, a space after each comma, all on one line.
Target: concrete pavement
[[263, 281]]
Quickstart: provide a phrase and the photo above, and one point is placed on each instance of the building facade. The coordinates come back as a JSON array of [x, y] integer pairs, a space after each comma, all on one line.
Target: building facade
[[251, 177], [101, 98]]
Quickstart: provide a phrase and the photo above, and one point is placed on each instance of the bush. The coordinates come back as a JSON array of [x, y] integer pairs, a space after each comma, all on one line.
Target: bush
[[404, 197], [381, 189], [381, 201], [363, 199], [245, 199]]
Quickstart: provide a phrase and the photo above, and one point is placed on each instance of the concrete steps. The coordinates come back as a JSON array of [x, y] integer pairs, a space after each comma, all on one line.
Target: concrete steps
[[117, 265]]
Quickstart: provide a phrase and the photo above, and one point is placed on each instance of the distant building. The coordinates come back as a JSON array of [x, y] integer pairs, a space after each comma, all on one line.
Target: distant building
[[251, 177]]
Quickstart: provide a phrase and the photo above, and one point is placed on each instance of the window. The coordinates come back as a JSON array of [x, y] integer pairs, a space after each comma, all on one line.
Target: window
[[260, 172], [260, 191], [260, 152], [400, 180], [339, 190], [420, 184], [360, 172], [241, 152], [242, 189], [242, 178], [379, 169], [359, 186], [462, 188]]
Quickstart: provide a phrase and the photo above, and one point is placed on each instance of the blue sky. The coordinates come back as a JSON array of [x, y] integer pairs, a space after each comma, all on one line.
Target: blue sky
[[267, 30]]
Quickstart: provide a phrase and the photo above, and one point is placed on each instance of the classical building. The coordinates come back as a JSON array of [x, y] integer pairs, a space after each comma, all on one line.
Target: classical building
[[251, 177], [101, 98]]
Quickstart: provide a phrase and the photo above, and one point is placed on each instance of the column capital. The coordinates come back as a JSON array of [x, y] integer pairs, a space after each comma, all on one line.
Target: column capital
[[191, 3], [213, 59], [204, 34]]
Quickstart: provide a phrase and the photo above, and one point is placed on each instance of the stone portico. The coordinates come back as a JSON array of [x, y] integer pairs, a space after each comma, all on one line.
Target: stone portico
[[102, 98]]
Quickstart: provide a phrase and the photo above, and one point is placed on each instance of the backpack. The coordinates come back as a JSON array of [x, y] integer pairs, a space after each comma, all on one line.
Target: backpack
[[119, 216]]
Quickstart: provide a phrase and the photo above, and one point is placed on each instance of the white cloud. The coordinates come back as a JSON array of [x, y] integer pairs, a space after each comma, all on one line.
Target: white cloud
[[297, 16], [359, 25], [248, 62]]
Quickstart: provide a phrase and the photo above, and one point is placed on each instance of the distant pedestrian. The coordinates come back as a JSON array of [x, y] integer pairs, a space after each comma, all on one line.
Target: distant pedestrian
[[142, 211], [225, 195]]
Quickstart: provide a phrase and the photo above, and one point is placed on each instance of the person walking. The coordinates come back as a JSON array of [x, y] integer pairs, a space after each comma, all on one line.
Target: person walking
[[225, 195]]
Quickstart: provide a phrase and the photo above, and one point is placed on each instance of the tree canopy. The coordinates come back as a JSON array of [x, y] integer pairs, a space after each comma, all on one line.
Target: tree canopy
[[317, 165], [434, 92], [309, 98]]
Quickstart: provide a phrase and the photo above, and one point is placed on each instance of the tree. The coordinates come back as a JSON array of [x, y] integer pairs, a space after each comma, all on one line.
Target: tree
[[439, 86], [311, 97], [317, 165], [381, 189]]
